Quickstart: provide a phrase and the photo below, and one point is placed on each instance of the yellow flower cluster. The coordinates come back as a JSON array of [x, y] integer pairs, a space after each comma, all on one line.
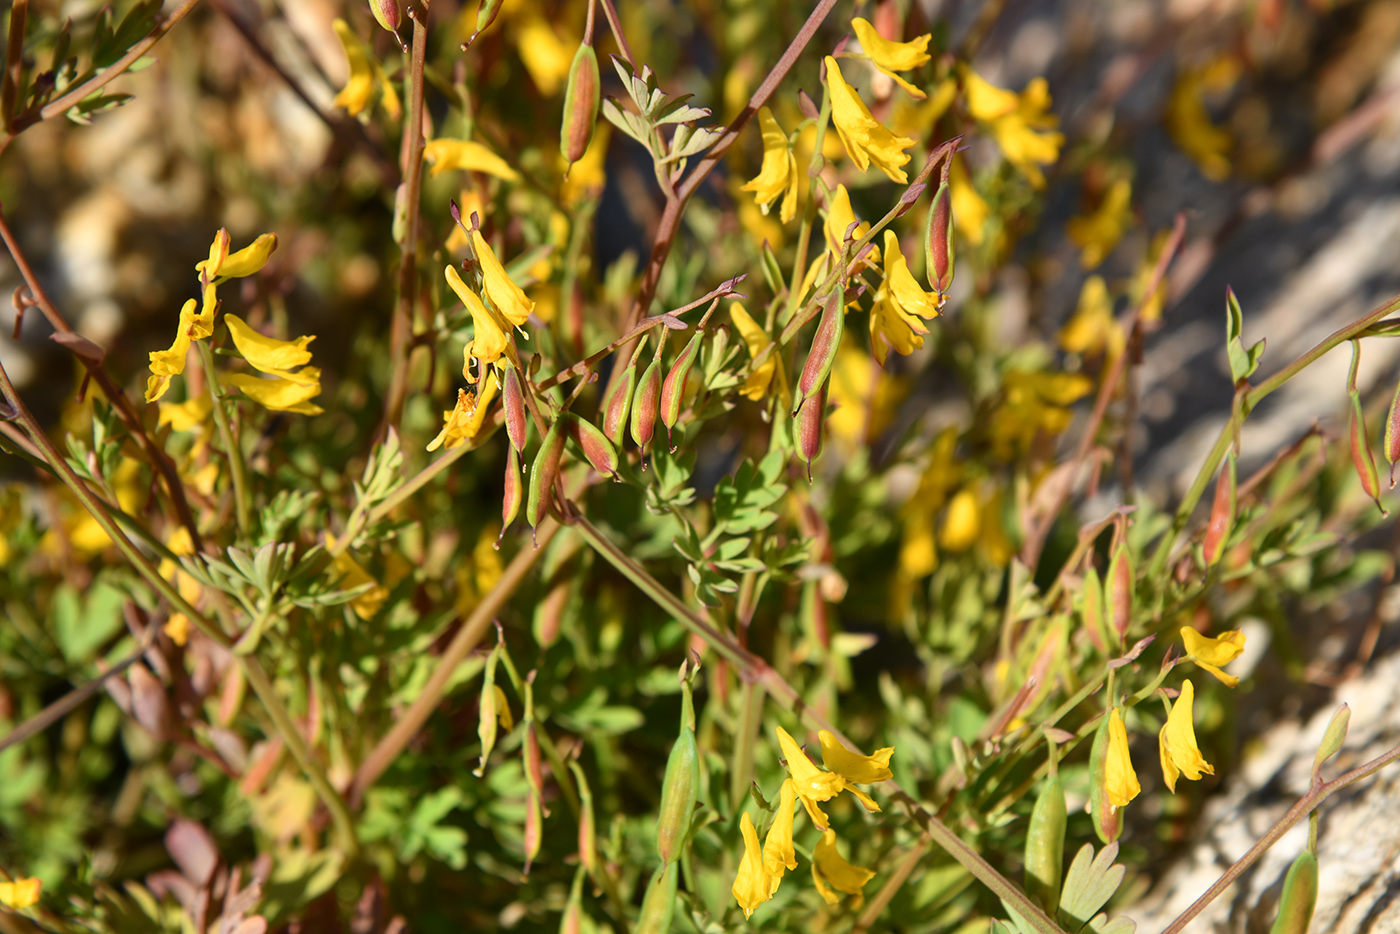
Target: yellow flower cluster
[[761, 869], [1020, 123], [365, 75], [20, 894]]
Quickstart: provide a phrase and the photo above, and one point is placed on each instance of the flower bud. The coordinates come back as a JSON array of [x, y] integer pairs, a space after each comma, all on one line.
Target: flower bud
[[1295, 907], [678, 794], [388, 14], [1361, 457], [581, 99], [673, 389], [825, 343], [938, 241], [644, 405], [1334, 737], [618, 404], [1108, 823], [513, 404], [660, 901], [1045, 846], [514, 493], [596, 447], [543, 474], [811, 422], [1118, 591], [1222, 513]]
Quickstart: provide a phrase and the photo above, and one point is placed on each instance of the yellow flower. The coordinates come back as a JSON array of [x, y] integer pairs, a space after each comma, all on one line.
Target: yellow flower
[[1021, 124], [1120, 781], [246, 262], [778, 174], [347, 574], [192, 326], [890, 56], [831, 871], [1035, 403], [1093, 329], [1189, 123], [912, 118], [778, 852], [752, 884], [365, 73], [757, 340], [962, 523], [546, 57], [1176, 743], [866, 139], [272, 356], [839, 218], [448, 154], [1098, 233], [19, 894], [187, 415], [279, 394], [1210, 654], [587, 176], [852, 766], [900, 303], [970, 209], [461, 424], [488, 332], [918, 555], [1142, 278], [500, 290], [811, 784]]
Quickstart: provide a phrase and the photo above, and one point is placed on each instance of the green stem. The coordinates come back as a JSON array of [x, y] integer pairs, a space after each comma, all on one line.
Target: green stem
[[751, 714], [234, 451]]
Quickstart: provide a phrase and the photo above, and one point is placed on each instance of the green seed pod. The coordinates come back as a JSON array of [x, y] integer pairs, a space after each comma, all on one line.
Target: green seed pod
[[1095, 622], [1108, 823], [673, 389], [825, 342], [485, 15], [1392, 435], [618, 405], [1295, 907], [1045, 846], [486, 725], [596, 447], [1222, 513], [644, 405], [514, 493], [938, 241], [1361, 457], [581, 99], [572, 921], [1118, 591], [513, 405], [587, 827], [811, 423], [660, 901], [543, 474], [678, 793]]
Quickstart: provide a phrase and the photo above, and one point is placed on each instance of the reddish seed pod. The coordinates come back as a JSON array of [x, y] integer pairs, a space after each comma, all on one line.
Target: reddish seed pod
[[938, 240], [1361, 457], [811, 423], [644, 405], [514, 493], [513, 406], [596, 448], [1118, 591], [580, 104], [825, 342], [1392, 435], [1222, 513], [673, 389], [618, 405]]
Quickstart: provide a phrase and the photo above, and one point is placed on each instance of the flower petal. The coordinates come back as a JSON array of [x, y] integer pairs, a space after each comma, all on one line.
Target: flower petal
[[752, 884], [852, 766], [509, 300], [268, 353], [447, 154], [778, 852], [1120, 781]]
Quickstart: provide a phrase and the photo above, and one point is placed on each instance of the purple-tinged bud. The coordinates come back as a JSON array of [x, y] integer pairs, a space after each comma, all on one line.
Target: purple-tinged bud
[[825, 343], [618, 405], [673, 390], [581, 100], [389, 14], [644, 405], [596, 447], [811, 423], [514, 493], [1222, 513], [938, 242], [513, 406]]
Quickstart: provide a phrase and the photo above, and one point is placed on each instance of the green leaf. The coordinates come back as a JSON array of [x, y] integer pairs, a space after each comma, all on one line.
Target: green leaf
[[1243, 362], [1089, 884], [81, 625]]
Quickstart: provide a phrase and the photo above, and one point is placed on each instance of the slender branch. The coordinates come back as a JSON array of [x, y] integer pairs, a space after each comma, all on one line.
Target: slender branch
[[411, 167], [99, 81], [892, 885], [615, 24], [232, 450], [1315, 796], [14, 62]]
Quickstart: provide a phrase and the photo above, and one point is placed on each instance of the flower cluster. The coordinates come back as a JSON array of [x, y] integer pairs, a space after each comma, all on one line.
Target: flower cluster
[[761, 869]]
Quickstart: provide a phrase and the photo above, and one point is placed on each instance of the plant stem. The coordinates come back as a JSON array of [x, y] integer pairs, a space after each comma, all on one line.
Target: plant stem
[[411, 168], [750, 716], [232, 449], [892, 885]]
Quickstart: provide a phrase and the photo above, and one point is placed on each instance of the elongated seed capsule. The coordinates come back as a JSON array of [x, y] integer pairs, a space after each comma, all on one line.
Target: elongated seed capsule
[[938, 240], [1222, 513], [1361, 457], [596, 447], [644, 405], [811, 423], [581, 98], [1295, 907], [513, 405], [543, 474], [1118, 591], [1094, 622], [1392, 434], [660, 901], [673, 389], [514, 493], [678, 793], [618, 405], [587, 828], [572, 921], [388, 14], [485, 15], [486, 725], [1108, 823], [825, 342], [1045, 845]]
